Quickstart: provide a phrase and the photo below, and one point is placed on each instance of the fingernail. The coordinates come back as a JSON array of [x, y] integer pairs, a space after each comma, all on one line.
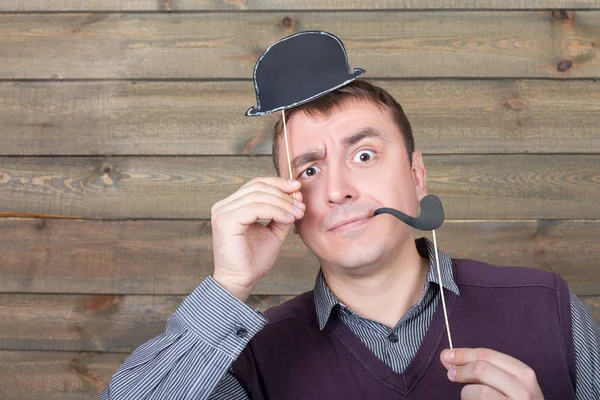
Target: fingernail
[[293, 182], [452, 373], [449, 356], [299, 205], [298, 210]]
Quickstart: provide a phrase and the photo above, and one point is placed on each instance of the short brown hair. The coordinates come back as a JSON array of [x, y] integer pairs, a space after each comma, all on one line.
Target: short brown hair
[[355, 90]]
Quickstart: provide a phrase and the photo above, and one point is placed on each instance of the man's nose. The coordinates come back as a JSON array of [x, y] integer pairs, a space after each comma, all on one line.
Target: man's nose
[[340, 186]]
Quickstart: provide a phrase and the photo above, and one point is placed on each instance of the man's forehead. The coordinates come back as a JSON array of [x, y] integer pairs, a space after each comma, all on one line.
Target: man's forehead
[[308, 130], [353, 121], [355, 109]]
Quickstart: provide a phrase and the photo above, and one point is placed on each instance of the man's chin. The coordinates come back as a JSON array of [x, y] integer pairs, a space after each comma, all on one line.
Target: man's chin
[[354, 257]]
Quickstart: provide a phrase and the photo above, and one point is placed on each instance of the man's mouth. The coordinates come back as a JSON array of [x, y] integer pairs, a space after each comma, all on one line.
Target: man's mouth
[[351, 223]]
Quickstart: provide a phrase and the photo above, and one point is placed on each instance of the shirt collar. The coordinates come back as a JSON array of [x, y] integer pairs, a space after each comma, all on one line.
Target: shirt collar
[[326, 301]]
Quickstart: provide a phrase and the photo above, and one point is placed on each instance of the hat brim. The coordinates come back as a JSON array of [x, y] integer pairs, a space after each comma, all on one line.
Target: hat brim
[[254, 111]]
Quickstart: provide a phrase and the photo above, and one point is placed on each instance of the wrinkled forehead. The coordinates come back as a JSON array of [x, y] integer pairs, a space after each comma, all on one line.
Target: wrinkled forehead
[[306, 129]]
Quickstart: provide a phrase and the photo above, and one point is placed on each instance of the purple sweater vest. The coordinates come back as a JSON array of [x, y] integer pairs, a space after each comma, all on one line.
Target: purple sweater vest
[[523, 312]]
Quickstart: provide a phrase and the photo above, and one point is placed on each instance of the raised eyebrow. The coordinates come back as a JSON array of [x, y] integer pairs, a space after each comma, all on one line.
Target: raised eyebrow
[[307, 157], [367, 132]]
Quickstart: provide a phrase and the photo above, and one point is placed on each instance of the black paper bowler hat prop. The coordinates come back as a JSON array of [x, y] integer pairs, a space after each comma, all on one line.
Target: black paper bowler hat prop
[[298, 69]]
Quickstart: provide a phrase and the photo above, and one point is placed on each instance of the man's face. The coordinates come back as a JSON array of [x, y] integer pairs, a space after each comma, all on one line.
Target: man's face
[[351, 163]]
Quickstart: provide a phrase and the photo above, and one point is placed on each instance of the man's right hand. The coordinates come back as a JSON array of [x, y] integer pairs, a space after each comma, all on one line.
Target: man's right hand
[[244, 250]]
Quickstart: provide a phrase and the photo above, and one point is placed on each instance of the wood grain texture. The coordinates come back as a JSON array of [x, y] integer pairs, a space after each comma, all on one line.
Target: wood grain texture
[[226, 45], [48, 375], [592, 303], [207, 118], [276, 5], [172, 257], [105, 323], [155, 257], [470, 186]]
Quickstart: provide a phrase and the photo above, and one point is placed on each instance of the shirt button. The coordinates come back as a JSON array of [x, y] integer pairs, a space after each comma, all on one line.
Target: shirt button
[[393, 338], [241, 332]]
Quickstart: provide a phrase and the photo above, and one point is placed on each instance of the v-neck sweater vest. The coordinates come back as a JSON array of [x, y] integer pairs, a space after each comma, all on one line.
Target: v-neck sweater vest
[[523, 312]]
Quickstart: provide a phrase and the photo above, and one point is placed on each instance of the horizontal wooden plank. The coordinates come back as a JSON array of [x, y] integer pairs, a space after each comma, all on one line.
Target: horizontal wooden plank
[[276, 5], [172, 257], [90, 322], [207, 118], [47, 375], [470, 186], [105, 323], [227, 45], [156, 257]]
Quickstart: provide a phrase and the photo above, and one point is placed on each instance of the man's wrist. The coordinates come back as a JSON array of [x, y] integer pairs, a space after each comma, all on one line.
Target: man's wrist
[[240, 292], [219, 318]]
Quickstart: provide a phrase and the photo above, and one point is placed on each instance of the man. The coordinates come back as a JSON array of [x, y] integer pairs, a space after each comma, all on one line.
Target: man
[[351, 154], [373, 326]]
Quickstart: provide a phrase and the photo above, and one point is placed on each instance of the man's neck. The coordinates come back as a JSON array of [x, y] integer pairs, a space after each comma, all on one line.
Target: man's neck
[[386, 292]]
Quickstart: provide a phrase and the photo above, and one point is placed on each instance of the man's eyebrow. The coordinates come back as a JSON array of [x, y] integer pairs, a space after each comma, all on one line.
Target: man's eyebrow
[[307, 157], [313, 155], [366, 132]]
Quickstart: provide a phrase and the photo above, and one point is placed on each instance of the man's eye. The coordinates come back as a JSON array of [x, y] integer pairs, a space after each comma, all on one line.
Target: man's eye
[[308, 172], [364, 156]]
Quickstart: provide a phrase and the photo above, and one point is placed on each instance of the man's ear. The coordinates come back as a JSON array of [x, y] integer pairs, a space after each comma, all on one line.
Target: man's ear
[[419, 174]]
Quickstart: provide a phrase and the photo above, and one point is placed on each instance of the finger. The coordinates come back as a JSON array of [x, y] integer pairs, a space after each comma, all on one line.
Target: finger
[[518, 370], [257, 185], [465, 356], [489, 375], [283, 184], [298, 196], [477, 392], [282, 229], [279, 229], [262, 197], [290, 186], [251, 213]]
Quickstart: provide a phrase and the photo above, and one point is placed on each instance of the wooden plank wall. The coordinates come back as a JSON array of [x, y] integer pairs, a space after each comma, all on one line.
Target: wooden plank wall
[[122, 122]]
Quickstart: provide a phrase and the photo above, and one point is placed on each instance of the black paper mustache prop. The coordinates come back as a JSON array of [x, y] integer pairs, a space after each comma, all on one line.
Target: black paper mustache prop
[[431, 217]]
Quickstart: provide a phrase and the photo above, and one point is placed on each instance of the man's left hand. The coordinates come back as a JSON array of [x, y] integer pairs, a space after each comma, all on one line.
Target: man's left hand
[[491, 374]]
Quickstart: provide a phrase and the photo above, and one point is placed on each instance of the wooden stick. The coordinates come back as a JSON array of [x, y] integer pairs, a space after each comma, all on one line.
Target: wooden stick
[[287, 146], [439, 273]]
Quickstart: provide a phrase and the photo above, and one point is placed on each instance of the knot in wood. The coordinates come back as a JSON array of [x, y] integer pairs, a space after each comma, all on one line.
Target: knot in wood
[[288, 22], [107, 170], [166, 5], [98, 303], [516, 104], [564, 65], [560, 15]]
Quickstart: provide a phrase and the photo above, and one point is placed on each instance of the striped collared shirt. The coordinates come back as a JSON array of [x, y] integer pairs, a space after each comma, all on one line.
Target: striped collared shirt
[[398, 345], [192, 359]]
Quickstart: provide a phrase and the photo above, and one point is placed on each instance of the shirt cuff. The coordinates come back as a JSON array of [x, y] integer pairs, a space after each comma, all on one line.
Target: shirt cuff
[[219, 318]]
